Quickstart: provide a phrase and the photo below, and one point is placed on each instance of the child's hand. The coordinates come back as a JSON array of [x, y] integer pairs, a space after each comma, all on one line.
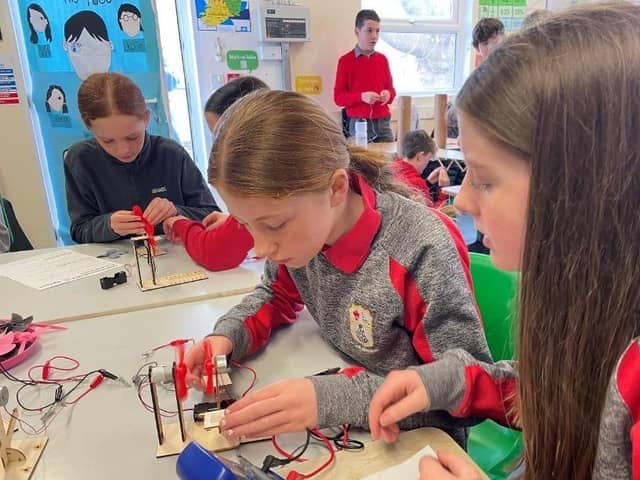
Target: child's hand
[[402, 394], [214, 220], [158, 209], [370, 97], [448, 466], [286, 406], [194, 358], [440, 176], [385, 96], [125, 222], [167, 227]]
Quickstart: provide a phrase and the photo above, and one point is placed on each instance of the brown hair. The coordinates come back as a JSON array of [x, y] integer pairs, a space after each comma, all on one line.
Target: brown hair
[[485, 29], [535, 17], [562, 97], [276, 144], [104, 94], [418, 141]]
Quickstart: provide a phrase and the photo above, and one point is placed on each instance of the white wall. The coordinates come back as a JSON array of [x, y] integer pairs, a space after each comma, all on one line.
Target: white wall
[[21, 179], [332, 34]]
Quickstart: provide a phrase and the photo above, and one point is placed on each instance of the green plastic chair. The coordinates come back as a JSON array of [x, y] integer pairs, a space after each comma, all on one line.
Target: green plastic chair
[[496, 449]]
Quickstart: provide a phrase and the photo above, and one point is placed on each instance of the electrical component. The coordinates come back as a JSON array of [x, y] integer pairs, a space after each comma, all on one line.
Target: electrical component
[[109, 282]]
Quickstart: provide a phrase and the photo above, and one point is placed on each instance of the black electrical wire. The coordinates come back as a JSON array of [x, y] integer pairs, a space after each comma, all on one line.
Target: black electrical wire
[[59, 394], [339, 442], [271, 461]]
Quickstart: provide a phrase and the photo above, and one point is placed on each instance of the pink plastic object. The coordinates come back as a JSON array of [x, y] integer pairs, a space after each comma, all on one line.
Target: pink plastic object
[[27, 342], [21, 356]]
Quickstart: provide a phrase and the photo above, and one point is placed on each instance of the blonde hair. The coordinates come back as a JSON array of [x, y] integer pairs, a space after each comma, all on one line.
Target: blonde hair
[[275, 144], [563, 97]]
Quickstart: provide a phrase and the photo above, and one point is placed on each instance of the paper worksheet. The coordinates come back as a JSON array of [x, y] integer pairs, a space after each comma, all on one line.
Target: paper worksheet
[[406, 469], [54, 268]]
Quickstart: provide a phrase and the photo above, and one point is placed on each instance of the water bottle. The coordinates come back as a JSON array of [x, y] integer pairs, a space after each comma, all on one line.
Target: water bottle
[[361, 132]]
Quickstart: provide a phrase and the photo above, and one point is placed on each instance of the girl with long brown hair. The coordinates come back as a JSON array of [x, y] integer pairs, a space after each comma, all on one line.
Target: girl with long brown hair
[[124, 166], [375, 269], [549, 129]]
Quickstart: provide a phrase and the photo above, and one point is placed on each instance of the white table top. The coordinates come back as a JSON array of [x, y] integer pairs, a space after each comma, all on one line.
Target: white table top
[[108, 434], [452, 191], [85, 299]]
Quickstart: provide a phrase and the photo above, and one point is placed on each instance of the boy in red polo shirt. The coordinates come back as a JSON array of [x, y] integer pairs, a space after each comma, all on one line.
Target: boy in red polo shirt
[[363, 81], [419, 149]]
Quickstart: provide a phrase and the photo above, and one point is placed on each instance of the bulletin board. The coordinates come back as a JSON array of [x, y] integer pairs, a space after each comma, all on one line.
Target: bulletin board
[[65, 42]]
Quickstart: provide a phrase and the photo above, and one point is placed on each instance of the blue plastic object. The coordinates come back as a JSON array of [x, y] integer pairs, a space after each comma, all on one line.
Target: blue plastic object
[[196, 463]]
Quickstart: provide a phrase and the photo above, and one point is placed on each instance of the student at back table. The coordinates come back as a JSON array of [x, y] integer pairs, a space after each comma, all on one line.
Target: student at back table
[[124, 166]]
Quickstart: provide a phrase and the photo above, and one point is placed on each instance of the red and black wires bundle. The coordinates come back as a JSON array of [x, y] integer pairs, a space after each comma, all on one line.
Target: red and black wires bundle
[[61, 397], [333, 443]]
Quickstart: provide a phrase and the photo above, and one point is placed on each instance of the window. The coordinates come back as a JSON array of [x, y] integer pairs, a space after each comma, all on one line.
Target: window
[[180, 126], [426, 41]]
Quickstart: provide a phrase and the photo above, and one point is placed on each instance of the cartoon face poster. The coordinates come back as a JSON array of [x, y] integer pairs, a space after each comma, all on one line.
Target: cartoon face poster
[[66, 41]]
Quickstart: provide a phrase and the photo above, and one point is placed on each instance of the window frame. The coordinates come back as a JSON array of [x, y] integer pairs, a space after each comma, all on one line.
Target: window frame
[[459, 24]]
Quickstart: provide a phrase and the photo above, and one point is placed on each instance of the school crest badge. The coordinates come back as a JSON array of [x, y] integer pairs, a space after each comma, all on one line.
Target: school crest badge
[[361, 325]]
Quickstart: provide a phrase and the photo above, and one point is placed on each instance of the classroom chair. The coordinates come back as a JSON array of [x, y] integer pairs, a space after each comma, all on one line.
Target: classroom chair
[[19, 240], [496, 449]]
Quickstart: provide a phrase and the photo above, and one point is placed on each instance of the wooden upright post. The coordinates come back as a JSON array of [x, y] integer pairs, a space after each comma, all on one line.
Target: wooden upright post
[[404, 120], [440, 114]]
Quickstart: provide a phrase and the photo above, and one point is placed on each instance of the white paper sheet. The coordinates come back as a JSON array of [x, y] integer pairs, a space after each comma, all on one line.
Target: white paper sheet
[[406, 469], [54, 268]]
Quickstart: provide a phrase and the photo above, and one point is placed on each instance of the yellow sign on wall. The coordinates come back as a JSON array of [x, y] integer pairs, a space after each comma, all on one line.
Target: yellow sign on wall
[[309, 84]]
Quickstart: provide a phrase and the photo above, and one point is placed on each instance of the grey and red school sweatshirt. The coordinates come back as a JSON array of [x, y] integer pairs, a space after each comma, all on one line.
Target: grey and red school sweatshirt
[[392, 292], [464, 386]]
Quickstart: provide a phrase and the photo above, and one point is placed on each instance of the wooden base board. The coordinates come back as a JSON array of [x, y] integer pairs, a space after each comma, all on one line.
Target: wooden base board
[[174, 279], [32, 449], [377, 456], [212, 440]]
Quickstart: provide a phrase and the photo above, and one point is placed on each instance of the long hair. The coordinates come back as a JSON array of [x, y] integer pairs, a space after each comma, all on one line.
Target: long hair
[[275, 144], [563, 96], [47, 31], [104, 94]]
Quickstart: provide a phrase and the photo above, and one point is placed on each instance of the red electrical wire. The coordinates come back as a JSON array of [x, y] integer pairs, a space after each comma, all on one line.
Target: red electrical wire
[[95, 383], [47, 368], [253, 372], [293, 475], [283, 452]]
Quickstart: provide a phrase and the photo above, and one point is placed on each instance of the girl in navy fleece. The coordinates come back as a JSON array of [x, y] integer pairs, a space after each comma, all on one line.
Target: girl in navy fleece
[[376, 270], [124, 166]]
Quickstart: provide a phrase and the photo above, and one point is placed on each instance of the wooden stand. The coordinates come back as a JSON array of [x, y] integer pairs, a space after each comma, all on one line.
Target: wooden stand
[[18, 458], [440, 114], [174, 437], [142, 249], [378, 456], [404, 121]]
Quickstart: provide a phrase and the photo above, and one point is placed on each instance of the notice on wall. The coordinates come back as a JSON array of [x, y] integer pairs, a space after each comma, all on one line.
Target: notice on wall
[[309, 84], [242, 59], [8, 86], [223, 15], [510, 12]]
